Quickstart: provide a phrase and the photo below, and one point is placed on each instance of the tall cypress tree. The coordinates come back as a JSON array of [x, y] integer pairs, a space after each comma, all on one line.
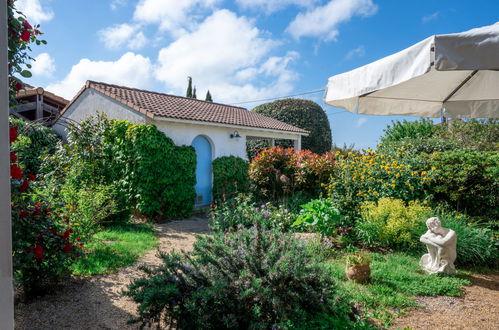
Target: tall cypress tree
[[194, 96], [208, 96], [189, 88]]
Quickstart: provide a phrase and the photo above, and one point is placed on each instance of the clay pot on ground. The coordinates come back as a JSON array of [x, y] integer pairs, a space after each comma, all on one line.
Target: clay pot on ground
[[358, 272]]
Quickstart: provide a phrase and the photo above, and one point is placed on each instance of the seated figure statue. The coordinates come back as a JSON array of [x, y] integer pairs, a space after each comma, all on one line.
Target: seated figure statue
[[441, 244]]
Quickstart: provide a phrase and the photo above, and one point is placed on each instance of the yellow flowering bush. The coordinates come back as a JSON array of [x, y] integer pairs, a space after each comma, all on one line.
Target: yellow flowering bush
[[390, 223], [369, 176]]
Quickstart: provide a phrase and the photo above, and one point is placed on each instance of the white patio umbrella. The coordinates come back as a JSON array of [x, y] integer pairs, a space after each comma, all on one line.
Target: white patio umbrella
[[456, 72]]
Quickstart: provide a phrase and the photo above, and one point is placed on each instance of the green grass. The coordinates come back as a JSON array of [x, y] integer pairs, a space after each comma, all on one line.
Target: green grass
[[395, 279], [115, 247]]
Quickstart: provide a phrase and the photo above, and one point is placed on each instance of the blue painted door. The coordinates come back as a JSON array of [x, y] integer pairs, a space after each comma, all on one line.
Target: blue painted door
[[203, 170]]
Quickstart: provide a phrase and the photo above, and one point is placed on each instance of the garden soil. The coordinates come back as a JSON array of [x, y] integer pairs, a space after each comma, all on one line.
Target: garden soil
[[96, 302]]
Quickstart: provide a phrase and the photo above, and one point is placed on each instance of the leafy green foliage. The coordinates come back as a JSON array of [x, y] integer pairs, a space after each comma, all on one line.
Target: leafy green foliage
[[399, 130], [157, 168], [244, 280], [468, 180], [321, 216], [280, 173], [230, 177], [188, 93], [115, 247], [143, 170], [242, 212], [255, 146], [390, 223], [304, 114], [34, 142], [482, 135]]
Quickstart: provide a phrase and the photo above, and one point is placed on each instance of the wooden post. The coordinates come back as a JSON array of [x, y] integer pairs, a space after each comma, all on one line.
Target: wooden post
[[39, 107], [6, 290]]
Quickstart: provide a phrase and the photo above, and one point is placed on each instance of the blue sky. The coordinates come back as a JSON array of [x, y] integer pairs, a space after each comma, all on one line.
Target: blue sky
[[241, 50]]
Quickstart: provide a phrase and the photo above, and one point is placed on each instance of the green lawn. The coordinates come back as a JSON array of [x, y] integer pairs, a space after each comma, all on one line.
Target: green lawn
[[115, 247], [395, 279]]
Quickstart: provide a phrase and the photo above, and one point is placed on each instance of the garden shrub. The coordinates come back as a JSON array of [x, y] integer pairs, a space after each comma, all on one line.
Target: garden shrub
[[249, 279], [230, 177], [400, 130], [476, 134], [242, 212], [476, 246], [279, 173], [321, 216], [43, 244], [255, 146], [468, 180], [391, 223], [369, 176], [304, 114], [33, 143], [89, 208]]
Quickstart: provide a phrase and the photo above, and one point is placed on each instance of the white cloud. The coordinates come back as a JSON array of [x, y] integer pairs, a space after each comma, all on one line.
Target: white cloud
[[176, 16], [43, 65], [115, 4], [323, 21], [132, 70], [274, 5], [229, 56], [361, 121], [34, 11], [357, 52], [430, 17], [118, 35]]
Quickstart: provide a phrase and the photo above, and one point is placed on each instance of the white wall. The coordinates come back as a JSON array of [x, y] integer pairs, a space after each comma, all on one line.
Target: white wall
[[90, 102], [219, 136]]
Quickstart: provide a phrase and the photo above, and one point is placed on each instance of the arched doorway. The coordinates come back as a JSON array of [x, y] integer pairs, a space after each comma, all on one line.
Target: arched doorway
[[203, 170]]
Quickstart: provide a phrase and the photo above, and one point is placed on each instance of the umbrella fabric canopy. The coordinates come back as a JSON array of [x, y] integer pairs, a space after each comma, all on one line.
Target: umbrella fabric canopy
[[457, 72]]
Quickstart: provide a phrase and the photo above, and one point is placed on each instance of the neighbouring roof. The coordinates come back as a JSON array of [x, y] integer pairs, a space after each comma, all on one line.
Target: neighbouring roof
[[154, 104], [30, 90]]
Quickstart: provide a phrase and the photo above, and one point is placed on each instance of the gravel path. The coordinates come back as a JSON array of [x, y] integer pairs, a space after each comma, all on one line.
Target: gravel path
[[96, 302], [477, 309]]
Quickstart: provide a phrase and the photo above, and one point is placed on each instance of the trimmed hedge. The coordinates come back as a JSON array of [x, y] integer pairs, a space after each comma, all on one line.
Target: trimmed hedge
[[304, 114], [230, 177]]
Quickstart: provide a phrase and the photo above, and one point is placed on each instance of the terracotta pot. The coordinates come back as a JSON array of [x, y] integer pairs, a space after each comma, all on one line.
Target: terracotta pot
[[358, 273]]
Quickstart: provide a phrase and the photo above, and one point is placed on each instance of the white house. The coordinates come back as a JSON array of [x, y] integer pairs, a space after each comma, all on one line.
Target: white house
[[213, 129]]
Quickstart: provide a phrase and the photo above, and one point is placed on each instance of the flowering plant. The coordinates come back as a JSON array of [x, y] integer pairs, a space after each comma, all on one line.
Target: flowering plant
[[43, 244]]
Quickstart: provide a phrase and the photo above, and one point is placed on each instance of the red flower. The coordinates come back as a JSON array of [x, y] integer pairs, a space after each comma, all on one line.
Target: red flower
[[52, 231], [67, 247], [23, 214], [78, 239], [24, 186], [19, 86], [16, 172], [13, 133], [67, 232], [32, 177], [25, 35], [38, 251], [13, 157], [37, 208], [27, 25]]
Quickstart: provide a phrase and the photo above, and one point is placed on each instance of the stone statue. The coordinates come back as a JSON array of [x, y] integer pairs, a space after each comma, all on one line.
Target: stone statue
[[441, 245]]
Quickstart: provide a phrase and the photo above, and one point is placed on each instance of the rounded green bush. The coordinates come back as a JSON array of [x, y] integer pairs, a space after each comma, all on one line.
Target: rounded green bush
[[304, 114]]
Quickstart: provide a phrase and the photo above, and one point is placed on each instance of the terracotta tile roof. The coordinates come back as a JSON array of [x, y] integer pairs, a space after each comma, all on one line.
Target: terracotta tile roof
[[155, 104]]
